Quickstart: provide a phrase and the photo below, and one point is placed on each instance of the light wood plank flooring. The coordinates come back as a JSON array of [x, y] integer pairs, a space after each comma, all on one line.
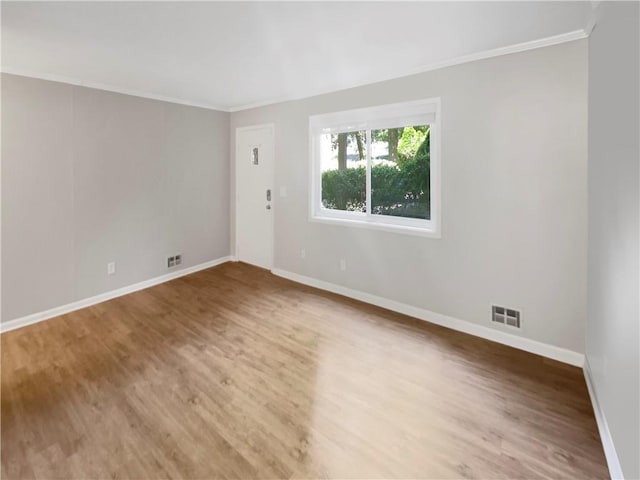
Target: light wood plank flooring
[[234, 373]]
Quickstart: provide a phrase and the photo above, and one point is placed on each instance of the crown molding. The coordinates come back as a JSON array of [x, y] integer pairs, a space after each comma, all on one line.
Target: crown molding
[[110, 88], [486, 54], [496, 52], [593, 17]]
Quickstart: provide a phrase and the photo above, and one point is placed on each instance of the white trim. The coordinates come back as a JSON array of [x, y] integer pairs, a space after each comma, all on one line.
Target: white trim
[[593, 17], [515, 341], [103, 297], [615, 470], [367, 180], [372, 225], [110, 88], [416, 112], [496, 52], [388, 115], [272, 127]]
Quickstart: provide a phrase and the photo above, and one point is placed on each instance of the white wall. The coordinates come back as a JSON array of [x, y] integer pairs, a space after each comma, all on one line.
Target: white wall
[[514, 195], [612, 328], [90, 177]]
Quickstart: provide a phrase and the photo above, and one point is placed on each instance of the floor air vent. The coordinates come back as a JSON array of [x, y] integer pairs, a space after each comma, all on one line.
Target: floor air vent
[[505, 316]]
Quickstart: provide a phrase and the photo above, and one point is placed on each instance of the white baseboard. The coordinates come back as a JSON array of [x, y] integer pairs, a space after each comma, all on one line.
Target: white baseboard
[[521, 343], [615, 470], [533, 346], [103, 297]]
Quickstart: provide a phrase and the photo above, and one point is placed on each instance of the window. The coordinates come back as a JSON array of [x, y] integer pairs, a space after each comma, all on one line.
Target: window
[[378, 167]]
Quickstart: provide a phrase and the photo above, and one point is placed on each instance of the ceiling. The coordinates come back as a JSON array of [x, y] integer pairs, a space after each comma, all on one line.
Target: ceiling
[[231, 55]]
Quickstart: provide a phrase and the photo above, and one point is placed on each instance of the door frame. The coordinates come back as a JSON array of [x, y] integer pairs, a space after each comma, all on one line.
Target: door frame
[[272, 179]]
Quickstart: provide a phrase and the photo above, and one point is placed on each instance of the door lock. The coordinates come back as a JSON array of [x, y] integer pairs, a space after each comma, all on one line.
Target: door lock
[[268, 194]]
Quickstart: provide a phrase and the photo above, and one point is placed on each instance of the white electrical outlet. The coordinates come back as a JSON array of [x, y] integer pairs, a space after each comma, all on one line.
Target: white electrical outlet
[[111, 268], [343, 264], [303, 253]]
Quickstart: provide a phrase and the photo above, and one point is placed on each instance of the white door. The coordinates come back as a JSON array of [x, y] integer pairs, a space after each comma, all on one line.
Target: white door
[[254, 195]]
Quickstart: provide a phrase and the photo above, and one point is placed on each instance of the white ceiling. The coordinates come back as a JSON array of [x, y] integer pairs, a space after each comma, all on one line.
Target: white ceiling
[[234, 54]]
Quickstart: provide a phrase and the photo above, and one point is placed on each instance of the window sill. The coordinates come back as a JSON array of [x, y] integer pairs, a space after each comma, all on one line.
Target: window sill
[[386, 227]]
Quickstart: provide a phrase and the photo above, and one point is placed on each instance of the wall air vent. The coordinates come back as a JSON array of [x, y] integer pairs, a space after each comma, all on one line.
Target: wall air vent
[[505, 316]]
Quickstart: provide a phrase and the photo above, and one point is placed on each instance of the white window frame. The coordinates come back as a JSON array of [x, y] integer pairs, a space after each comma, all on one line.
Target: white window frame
[[420, 112]]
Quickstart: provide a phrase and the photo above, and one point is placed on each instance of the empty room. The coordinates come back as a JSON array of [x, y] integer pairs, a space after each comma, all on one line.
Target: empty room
[[309, 240]]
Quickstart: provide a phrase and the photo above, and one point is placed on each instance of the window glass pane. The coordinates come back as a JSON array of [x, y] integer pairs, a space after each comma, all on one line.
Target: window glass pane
[[400, 172], [343, 163]]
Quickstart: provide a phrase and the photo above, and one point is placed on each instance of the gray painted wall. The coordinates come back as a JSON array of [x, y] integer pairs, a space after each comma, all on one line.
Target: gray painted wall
[[90, 177], [612, 329], [514, 195]]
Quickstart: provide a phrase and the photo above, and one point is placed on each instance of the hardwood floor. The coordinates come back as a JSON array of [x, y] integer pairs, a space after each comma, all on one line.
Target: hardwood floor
[[235, 373]]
